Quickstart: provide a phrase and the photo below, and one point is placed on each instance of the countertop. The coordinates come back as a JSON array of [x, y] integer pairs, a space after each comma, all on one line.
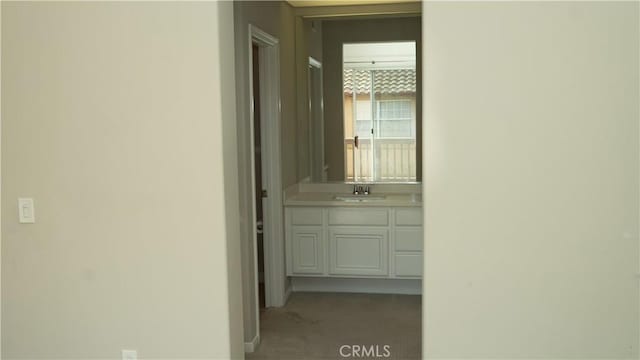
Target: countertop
[[328, 199]]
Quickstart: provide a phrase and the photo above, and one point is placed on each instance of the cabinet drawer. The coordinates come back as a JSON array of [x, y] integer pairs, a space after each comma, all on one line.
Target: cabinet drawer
[[409, 265], [408, 239], [306, 216], [409, 217], [358, 216]]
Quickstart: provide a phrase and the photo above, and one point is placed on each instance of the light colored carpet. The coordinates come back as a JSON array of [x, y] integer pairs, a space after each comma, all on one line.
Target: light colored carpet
[[316, 325]]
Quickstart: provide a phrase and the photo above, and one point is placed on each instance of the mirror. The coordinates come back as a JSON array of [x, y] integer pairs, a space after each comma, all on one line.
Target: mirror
[[318, 168], [358, 82], [379, 104]]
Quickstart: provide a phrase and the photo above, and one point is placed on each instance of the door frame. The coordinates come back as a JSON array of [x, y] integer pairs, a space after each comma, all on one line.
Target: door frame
[[273, 218]]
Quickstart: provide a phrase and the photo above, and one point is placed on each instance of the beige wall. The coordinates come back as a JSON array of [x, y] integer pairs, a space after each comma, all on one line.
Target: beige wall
[[334, 34], [228, 104], [313, 35], [275, 18], [531, 188], [112, 120], [1, 181]]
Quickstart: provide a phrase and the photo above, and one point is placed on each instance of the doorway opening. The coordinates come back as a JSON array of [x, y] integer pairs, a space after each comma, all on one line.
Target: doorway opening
[[266, 184], [356, 264], [259, 191]]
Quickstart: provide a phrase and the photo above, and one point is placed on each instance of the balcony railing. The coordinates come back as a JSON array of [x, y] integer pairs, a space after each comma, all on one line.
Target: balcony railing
[[389, 160]]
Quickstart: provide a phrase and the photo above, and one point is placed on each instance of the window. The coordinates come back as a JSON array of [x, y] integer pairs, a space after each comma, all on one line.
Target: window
[[396, 118], [379, 82]]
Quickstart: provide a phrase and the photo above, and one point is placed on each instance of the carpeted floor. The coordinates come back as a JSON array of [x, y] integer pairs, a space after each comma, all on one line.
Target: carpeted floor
[[317, 325]]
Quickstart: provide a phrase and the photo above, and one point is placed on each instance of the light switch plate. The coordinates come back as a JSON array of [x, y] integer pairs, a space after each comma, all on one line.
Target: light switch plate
[[26, 211], [129, 355]]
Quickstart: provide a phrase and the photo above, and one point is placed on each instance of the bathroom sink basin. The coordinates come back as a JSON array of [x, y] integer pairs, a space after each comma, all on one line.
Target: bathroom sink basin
[[358, 198]]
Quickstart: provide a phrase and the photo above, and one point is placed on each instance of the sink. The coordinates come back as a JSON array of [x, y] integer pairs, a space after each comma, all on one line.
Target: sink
[[358, 198]]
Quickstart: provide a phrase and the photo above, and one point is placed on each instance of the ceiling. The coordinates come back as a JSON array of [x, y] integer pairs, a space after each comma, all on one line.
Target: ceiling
[[310, 3]]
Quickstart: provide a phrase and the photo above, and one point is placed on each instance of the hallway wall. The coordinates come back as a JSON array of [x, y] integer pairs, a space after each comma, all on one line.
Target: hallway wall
[[531, 186], [116, 119]]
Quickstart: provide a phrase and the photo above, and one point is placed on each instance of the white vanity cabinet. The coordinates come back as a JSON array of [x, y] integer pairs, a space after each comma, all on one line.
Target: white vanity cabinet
[[354, 242]]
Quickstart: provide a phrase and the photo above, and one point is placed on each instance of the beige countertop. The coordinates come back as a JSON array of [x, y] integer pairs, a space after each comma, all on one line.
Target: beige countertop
[[329, 199]]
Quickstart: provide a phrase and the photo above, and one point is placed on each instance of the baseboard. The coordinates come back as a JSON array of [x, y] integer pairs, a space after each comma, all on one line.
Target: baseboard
[[369, 286], [251, 346]]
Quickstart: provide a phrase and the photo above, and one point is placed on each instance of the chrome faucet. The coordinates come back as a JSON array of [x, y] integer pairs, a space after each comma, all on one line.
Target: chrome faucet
[[361, 190]]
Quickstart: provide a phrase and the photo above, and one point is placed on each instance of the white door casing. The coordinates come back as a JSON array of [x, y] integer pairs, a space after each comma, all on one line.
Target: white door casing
[[271, 164]]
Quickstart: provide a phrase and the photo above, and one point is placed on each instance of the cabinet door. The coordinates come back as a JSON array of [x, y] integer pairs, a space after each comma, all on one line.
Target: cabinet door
[[358, 251], [307, 250]]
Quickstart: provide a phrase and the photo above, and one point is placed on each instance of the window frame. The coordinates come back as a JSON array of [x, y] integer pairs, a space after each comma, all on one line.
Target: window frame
[[411, 118]]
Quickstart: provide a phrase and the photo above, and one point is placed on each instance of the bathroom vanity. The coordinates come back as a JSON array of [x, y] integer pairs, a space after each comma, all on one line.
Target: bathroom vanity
[[339, 235]]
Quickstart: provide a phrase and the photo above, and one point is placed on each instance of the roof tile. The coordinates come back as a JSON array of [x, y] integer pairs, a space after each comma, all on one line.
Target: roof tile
[[387, 82]]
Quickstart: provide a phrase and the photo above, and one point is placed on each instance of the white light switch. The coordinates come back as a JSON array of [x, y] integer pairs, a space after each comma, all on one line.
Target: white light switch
[[26, 211]]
